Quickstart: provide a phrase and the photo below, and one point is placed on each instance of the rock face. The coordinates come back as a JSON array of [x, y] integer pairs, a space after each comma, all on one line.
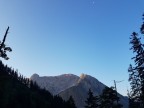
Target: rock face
[[67, 85], [80, 90], [55, 84]]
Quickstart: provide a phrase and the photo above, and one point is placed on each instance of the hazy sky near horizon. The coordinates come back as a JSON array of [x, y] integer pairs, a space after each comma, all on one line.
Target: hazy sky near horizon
[[53, 37]]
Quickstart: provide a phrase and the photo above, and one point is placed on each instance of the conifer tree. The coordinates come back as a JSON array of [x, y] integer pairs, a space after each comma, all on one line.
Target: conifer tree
[[3, 47], [136, 72], [108, 98], [71, 103], [132, 104], [92, 101]]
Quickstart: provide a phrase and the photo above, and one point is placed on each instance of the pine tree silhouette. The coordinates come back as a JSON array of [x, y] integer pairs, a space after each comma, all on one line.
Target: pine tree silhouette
[[3, 47], [92, 101], [136, 72], [71, 103], [108, 98]]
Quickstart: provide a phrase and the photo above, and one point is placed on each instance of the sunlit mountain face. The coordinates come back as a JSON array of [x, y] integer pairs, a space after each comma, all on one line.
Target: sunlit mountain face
[[67, 85]]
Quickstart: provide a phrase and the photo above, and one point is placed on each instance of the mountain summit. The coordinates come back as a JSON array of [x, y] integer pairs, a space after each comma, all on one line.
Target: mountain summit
[[55, 84], [67, 85]]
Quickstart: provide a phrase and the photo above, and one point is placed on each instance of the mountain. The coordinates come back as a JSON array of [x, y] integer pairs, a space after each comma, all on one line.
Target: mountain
[[80, 90], [17, 91], [67, 85], [55, 84]]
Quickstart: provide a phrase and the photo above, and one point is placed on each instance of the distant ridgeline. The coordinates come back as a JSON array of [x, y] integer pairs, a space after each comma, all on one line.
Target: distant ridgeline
[[17, 91]]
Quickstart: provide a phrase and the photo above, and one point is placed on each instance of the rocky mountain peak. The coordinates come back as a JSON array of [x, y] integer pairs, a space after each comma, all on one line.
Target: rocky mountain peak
[[67, 85], [34, 76], [55, 84], [82, 76]]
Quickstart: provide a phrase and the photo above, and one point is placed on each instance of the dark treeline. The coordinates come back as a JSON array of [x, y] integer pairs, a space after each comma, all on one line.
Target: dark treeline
[[17, 91], [108, 99]]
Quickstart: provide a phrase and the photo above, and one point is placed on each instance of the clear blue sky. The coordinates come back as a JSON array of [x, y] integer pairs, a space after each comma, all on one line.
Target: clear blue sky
[[53, 37]]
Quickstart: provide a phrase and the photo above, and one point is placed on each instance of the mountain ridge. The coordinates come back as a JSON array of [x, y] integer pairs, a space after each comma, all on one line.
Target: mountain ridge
[[55, 84], [67, 85]]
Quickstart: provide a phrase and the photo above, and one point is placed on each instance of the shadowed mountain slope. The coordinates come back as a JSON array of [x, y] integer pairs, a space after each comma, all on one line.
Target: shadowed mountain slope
[[71, 85]]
